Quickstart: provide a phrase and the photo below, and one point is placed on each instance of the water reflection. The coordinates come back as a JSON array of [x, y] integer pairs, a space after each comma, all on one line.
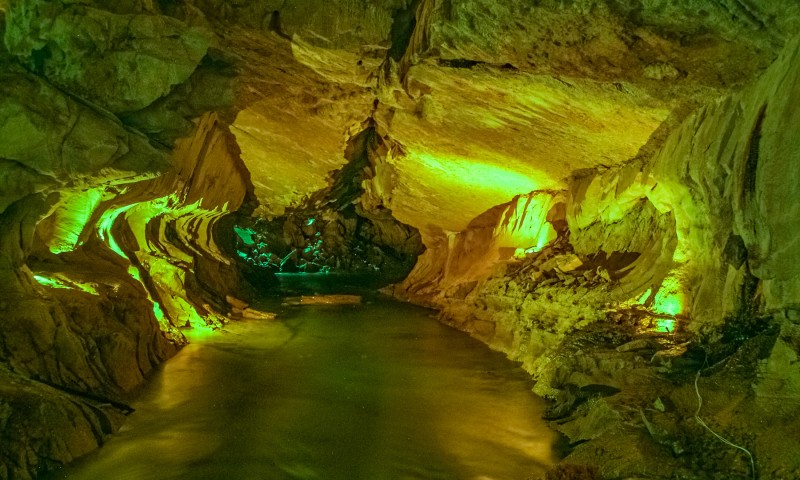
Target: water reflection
[[371, 391]]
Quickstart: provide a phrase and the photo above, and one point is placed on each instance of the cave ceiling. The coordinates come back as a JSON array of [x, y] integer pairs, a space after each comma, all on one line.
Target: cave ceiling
[[484, 99], [481, 100]]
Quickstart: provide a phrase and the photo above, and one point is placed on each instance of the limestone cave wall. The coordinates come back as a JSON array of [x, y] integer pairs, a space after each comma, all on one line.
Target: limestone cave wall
[[667, 265], [604, 190], [108, 243]]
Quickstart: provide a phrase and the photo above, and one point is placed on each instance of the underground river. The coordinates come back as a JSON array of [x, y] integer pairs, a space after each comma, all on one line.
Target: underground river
[[379, 390]]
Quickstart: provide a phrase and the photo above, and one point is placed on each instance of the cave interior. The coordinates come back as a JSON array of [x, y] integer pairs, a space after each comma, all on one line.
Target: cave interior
[[605, 191]]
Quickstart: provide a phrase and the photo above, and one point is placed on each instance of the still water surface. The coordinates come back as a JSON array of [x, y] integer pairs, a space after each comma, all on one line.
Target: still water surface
[[372, 391]]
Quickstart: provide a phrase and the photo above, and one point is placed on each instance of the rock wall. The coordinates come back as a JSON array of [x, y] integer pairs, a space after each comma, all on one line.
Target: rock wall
[[724, 177], [345, 227], [672, 265], [87, 324], [654, 243], [457, 261], [108, 245]]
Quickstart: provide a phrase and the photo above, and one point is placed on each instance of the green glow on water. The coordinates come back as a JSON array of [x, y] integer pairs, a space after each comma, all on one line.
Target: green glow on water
[[665, 325], [199, 332]]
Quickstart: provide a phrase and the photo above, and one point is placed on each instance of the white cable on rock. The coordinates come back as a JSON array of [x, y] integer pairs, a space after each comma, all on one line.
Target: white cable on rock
[[723, 440]]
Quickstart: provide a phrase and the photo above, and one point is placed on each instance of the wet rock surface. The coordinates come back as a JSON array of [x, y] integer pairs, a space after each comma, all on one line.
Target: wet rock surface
[[601, 190], [645, 384]]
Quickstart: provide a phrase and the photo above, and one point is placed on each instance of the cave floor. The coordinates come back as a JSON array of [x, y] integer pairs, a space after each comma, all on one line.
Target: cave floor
[[375, 390]]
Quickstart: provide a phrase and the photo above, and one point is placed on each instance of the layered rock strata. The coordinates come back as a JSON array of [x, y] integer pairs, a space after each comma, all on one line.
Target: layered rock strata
[[670, 281], [108, 242], [595, 199]]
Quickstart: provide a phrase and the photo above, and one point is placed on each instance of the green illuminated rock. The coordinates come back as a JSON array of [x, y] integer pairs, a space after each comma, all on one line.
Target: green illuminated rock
[[603, 190], [50, 140]]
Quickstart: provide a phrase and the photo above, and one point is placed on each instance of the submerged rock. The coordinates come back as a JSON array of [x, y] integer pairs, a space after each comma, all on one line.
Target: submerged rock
[[323, 300]]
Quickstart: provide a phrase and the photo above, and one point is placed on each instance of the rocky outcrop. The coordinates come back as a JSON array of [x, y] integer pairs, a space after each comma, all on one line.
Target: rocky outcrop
[[51, 140], [123, 60], [343, 228], [564, 87], [40, 422], [662, 283], [108, 243], [719, 177]]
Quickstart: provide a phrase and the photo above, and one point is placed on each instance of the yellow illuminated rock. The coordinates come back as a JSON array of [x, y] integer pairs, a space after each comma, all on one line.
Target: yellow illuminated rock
[[604, 191]]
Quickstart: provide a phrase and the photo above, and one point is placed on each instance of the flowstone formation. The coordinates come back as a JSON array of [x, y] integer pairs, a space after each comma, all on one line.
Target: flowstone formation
[[107, 244], [601, 189]]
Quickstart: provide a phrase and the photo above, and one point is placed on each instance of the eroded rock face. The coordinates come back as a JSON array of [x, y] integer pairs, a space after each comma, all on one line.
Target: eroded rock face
[[343, 228], [50, 140], [35, 414], [663, 268], [103, 226], [601, 187], [122, 60], [560, 87], [618, 41]]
